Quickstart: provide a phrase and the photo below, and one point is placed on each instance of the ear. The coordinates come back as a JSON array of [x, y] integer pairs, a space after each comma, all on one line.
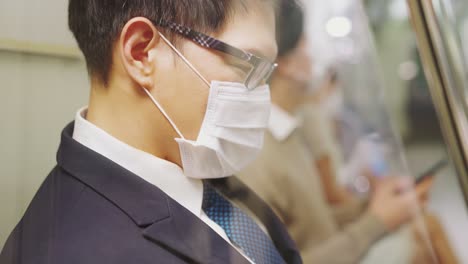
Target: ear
[[138, 39], [285, 66]]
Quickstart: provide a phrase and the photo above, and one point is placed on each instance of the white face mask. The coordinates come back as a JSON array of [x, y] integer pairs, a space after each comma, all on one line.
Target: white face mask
[[333, 104], [232, 131]]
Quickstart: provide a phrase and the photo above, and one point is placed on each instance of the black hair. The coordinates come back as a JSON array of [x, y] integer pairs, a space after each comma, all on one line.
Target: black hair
[[289, 26], [96, 24]]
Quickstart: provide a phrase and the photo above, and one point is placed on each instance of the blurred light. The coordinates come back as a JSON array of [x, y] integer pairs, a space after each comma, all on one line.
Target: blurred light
[[408, 70], [399, 10], [339, 26], [362, 184]]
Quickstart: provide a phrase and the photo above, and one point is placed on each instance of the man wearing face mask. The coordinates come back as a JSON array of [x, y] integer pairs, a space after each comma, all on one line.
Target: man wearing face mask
[[292, 173], [179, 101]]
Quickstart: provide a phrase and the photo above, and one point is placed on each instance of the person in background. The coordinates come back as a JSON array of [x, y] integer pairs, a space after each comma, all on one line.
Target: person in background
[[294, 171], [179, 102], [353, 151]]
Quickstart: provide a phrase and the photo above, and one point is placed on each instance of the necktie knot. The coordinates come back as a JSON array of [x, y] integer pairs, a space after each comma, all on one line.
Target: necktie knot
[[210, 196], [239, 227]]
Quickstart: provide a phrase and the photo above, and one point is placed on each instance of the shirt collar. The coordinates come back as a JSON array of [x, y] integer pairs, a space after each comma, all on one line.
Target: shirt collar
[[282, 124], [163, 174]]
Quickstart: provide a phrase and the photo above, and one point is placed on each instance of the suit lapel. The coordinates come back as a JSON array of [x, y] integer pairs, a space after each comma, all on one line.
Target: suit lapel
[[162, 220], [192, 238]]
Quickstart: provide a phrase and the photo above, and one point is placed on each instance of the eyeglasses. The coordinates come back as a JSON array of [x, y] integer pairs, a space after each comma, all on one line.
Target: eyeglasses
[[261, 68]]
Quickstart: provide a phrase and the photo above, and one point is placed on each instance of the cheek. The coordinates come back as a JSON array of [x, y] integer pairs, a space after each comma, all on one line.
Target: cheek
[[225, 73], [186, 94], [183, 96], [190, 101], [213, 67]]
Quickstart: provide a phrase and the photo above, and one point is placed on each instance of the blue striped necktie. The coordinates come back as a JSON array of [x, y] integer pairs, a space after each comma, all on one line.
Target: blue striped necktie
[[240, 228]]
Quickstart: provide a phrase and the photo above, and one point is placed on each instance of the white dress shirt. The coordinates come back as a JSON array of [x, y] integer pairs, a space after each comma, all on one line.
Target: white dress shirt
[[163, 174], [282, 124]]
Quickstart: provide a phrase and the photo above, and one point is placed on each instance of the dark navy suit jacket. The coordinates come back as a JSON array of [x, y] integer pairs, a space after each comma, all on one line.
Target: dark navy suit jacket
[[91, 210]]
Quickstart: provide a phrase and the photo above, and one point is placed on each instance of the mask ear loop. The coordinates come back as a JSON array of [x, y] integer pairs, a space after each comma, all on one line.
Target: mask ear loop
[[164, 113], [189, 64]]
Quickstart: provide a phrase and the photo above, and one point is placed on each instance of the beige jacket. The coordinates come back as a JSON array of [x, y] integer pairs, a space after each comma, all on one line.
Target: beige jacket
[[284, 176]]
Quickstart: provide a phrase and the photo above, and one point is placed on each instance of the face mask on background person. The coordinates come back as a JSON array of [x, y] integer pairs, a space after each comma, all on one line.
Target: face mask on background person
[[232, 131], [333, 103]]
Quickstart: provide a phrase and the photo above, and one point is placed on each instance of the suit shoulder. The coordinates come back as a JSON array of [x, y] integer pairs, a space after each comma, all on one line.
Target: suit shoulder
[[58, 189], [35, 232]]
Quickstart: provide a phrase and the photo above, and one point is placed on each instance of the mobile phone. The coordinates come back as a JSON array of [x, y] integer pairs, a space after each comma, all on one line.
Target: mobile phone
[[431, 171]]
